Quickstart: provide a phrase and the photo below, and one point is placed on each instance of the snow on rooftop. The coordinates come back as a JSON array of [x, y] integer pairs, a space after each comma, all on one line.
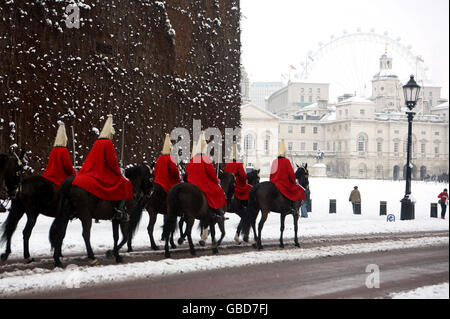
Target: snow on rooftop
[[355, 100]]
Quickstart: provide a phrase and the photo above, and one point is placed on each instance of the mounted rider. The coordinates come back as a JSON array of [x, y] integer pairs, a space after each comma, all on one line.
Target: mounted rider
[[101, 175], [242, 189], [283, 176], [166, 170], [59, 165], [201, 172]]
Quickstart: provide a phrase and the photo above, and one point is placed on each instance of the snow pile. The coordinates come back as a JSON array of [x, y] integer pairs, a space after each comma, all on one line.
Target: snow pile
[[427, 292]]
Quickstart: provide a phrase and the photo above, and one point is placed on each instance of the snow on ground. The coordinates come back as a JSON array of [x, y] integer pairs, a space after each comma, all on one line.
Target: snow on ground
[[33, 281], [428, 292], [319, 222]]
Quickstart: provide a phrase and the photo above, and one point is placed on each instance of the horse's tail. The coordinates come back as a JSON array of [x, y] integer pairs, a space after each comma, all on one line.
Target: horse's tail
[[251, 212], [173, 210], [63, 213], [135, 217], [15, 214]]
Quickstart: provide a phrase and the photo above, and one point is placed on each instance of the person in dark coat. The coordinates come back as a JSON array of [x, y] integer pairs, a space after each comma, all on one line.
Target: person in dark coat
[[443, 199]]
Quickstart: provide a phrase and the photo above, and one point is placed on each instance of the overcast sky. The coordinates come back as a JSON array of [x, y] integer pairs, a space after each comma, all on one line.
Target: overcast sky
[[277, 33]]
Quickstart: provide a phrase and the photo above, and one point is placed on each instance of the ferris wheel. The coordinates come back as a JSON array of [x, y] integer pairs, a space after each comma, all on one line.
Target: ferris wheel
[[349, 61]]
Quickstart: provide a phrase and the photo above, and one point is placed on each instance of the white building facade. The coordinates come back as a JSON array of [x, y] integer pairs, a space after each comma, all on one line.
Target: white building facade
[[360, 137]]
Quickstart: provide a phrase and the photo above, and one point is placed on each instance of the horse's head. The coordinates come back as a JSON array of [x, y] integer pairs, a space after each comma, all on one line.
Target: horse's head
[[302, 175], [141, 176], [253, 177], [228, 184], [11, 169]]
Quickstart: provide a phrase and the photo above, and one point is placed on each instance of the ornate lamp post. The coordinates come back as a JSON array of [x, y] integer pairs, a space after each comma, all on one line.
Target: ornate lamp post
[[411, 91]]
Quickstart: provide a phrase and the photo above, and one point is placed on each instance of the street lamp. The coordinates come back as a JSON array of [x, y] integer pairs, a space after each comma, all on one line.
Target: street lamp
[[411, 91]]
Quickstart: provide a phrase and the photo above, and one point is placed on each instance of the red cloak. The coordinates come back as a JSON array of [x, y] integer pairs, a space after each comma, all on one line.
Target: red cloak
[[166, 172], [242, 189], [100, 174], [283, 176], [200, 172], [59, 166]]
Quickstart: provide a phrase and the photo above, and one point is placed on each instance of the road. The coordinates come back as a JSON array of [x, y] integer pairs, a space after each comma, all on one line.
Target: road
[[330, 277]]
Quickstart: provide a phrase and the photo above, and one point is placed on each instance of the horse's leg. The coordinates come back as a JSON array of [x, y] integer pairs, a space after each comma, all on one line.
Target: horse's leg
[[151, 224], [295, 230], [189, 224], [221, 224], [124, 231], [260, 227], [115, 226], [282, 218], [238, 233], [61, 233], [214, 244], [31, 221], [182, 235], [87, 223], [172, 243], [15, 214]]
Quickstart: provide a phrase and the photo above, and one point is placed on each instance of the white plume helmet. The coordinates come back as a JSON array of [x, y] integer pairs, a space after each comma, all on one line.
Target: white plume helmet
[[282, 149], [108, 129], [167, 146], [61, 136], [234, 156], [201, 145]]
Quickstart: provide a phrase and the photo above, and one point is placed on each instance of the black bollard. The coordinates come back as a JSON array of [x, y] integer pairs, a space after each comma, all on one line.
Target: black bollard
[[383, 208], [433, 213], [309, 206], [332, 206]]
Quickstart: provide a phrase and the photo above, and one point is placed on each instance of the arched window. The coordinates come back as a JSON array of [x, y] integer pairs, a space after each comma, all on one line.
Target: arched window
[[249, 142], [361, 143]]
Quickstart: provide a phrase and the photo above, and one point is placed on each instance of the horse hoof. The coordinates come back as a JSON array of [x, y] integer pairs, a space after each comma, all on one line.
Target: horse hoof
[[180, 241], [261, 247], [119, 259], [109, 254], [281, 246], [237, 240], [297, 245], [29, 260], [245, 239], [254, 246], [202, 243], [4, 257], [215, 250], [130, 250], [58, 264], [155, 247], [94, 262], [173, 246]]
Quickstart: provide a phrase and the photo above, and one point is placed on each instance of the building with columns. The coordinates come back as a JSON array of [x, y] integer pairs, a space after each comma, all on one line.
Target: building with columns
[[359, 137]]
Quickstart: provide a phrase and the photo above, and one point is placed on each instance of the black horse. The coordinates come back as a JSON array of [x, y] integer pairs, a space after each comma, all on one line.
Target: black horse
[[188, 201], [234, 205], [266, 197], [11, 169], [76, 202]]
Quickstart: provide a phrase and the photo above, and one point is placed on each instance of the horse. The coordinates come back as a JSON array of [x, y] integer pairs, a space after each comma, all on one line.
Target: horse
[[188, 201], [76, 202], [11, 169], [234, 205], [266, 197]]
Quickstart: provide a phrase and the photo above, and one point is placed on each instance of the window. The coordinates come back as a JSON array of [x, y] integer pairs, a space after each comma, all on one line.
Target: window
[[290, 129], [310, 99], [314, 146], [339, 146], [318, 91], [302, 146], [315, 130], [396, 132], [430, 94], [289, 146], [328, 146], [362, 112], [361, 144], [380, 132], [395, 147], [379, 147], [302, 98], [302, 90], [248, 142], [436, 133], [310, 90], [266, 145], [436, 150], [422, 148], [424, 133], [318, 98], [302, 130], [346, 112]]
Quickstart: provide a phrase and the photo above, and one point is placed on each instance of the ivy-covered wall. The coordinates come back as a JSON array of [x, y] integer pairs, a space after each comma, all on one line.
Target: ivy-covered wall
[[155, 65]]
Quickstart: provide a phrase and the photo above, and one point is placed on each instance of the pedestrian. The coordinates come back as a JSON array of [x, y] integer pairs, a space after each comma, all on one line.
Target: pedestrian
[[443, 199], [355, 198], [304, 208]]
